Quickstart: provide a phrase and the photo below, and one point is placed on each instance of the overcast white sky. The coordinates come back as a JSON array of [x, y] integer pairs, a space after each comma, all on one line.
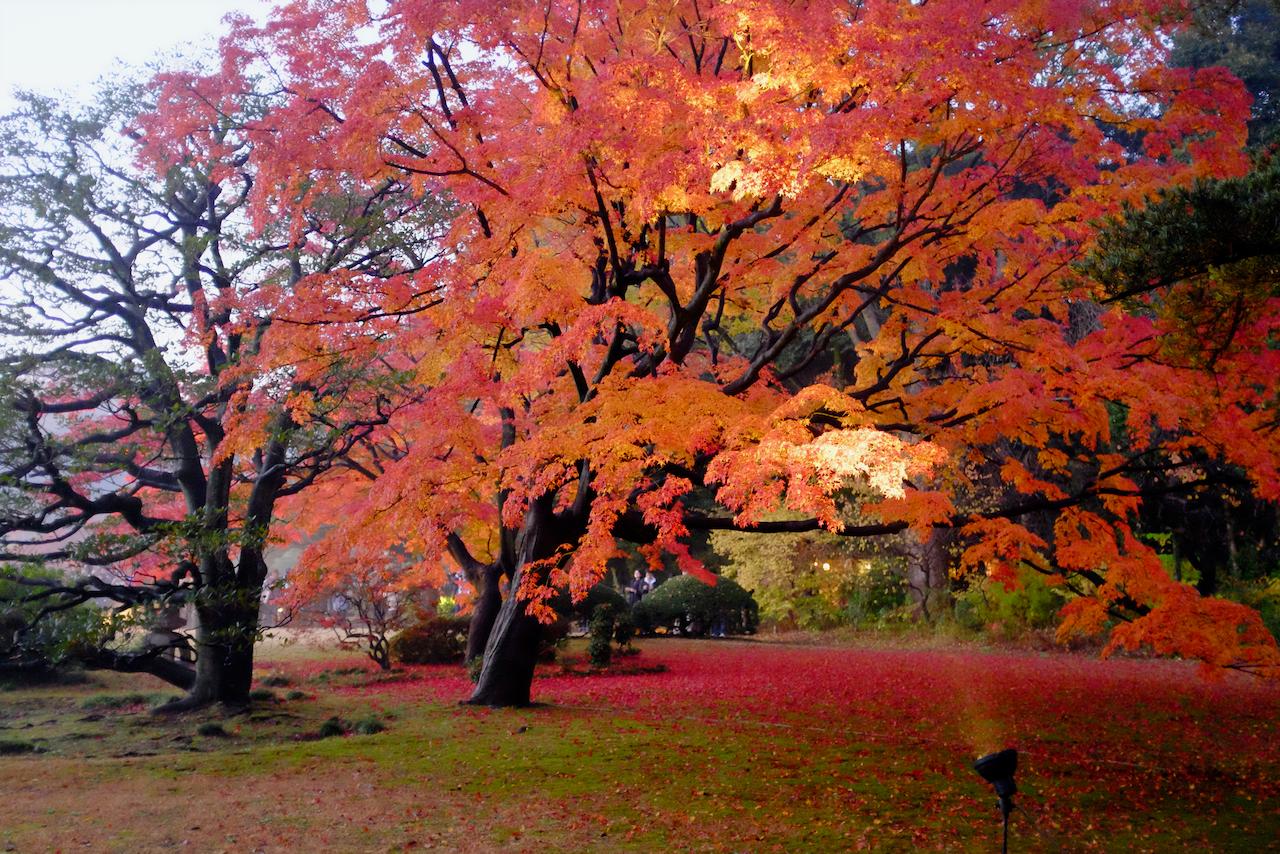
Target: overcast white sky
[[64, 45]]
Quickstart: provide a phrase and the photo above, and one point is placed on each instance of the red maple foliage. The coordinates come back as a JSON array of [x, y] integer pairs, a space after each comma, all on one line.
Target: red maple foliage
[[804, 257]]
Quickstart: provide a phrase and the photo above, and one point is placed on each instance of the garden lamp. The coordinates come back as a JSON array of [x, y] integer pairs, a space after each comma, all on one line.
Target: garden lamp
[[998, 770]]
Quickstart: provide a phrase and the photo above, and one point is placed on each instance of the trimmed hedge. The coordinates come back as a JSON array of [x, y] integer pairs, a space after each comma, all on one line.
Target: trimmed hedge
[[685, 605]]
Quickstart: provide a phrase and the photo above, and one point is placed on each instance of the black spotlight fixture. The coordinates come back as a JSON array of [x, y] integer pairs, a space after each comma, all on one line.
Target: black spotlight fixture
[[998, 770]]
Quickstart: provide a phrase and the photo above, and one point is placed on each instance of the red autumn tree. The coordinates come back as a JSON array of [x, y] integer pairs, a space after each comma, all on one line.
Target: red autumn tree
[[757, 255]]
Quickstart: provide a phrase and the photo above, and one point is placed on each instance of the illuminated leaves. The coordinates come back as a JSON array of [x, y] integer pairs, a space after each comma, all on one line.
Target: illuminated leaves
[[755, 255]]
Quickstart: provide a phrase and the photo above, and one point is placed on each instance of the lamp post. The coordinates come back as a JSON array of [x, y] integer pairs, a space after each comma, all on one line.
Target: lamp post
[[998, 770]]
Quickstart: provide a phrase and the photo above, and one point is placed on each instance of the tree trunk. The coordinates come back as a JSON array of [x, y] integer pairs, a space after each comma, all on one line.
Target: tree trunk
[[928, 573], [506, 678], [224, 658], [511, 653], [485, 613]]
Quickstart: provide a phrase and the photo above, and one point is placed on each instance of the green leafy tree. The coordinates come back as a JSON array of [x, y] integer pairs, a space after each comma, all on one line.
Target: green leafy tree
[[1205, 260], [137, 297]]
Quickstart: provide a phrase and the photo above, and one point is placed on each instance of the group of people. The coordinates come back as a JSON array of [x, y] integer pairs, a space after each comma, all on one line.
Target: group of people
[[640, 586]]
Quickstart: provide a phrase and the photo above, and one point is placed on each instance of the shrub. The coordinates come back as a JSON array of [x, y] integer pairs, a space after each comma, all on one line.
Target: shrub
[[296, 695], [211, 729], [600, 647], [1032, 604], [435, 640], [689, 606], [624, 629], [9, 747], [602, 594], [369, 726], [552, 639], [1263, 595], [262, 695], [276, 680], [877, 589], [332, 727]]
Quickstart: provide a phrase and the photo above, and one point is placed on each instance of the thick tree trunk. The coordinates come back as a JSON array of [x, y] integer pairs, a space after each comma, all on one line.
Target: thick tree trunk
[[511, 653], [928, 575], [506, 678], [224, 658]]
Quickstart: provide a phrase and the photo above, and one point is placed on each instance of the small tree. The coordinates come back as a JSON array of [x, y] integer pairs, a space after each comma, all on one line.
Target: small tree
[[600, 646], [363, 605]]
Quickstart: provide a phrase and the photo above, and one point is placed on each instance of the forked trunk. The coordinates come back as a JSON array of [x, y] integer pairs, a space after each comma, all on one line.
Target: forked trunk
[[224, 659], [506, 678], [511, 653]]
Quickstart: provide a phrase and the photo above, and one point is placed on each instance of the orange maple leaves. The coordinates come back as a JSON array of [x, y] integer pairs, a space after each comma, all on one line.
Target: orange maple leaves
[[775, 249]]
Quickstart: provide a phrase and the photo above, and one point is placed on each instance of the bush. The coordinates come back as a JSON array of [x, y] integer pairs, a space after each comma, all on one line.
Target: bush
[[295, 694], [987, 605], [11, 747], [369, 726], [600, 647], [602, 594], [624, 629], [876, 590], [262, 695], [551, 639], [211, 730], [435, 640], [276, 680], [1263, 595], [686, 605], [332, 727]]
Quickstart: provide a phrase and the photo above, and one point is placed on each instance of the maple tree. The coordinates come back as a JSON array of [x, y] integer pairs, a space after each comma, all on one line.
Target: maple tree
[[741, 255], [365, 604], [1204, 258], [816, 256], [142, 452]]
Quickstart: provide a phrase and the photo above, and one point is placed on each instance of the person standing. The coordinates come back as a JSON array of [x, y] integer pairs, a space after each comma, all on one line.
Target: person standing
[[635, 590]]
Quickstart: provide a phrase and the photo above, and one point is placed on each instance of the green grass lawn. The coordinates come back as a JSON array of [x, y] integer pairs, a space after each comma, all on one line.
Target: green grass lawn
[[735, 747]]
